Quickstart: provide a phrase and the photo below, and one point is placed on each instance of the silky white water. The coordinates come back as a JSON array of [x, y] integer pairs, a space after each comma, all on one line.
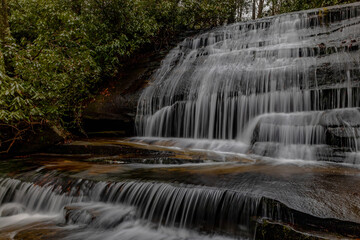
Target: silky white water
[[266, 84], [126, 210], [286, 87]]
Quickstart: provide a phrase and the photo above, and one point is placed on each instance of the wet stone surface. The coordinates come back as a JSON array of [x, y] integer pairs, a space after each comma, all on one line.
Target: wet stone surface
[[302, 200]]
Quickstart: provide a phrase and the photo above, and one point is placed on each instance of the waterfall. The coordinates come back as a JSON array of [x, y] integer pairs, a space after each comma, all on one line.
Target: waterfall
[[144, 210], [158, 210], [269, 84], [108, 206]]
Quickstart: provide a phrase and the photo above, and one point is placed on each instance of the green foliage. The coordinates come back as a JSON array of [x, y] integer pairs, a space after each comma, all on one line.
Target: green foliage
[[298, 5], [116, 29], [50, 68], [57, 51], [208, 13]]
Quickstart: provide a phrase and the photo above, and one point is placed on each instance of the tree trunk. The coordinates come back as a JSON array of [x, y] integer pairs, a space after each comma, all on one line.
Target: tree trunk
[[4, 31], [261, 7], [4, 24], [240, 13], [273, 6], [2, 65], [232, 13], [254, 9]]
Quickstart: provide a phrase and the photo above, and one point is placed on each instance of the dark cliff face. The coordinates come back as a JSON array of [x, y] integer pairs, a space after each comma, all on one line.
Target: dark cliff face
[[112, 112]]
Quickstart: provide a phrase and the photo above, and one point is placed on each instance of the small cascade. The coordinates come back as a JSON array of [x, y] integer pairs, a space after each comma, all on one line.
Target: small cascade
[[184, 207], [295, 135], [149, 210], [266, 83], [105, 205]]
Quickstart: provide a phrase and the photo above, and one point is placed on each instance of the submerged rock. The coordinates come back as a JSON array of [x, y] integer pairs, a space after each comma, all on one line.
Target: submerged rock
[[11, 209]]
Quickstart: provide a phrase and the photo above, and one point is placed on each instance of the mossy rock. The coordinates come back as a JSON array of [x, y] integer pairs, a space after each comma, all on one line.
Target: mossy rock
[[274, 231]]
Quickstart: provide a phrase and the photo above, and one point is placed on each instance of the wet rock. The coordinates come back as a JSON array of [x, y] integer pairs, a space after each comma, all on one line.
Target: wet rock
[[77, 215], [11, 209], [40, 234], [115, 152], [99, 216], [112, 112], [330, 73], [342, 128], [38, 139], [345, 137], [341, 118], [267, 230], [277, 221], [103, 147]]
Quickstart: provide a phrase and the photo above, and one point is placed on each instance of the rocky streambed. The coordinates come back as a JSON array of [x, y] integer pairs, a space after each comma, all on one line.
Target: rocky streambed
[[130, 190]]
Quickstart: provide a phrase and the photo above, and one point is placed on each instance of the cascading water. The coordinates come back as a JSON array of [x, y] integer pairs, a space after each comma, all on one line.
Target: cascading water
[[269, 87], [122, 209], [284, 87], [222, 205]]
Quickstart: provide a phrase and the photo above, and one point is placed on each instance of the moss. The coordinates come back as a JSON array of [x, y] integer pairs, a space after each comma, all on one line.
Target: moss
[[324, 17], [272, 231]]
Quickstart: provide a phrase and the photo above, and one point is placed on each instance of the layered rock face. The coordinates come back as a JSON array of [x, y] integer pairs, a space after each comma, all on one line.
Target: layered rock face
[[112, 113], [284, 86]]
